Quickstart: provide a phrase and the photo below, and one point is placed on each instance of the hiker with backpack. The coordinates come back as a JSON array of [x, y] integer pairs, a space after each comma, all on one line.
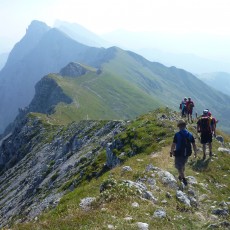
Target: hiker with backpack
[[183, 107], [181, 149], [189, 106], [205, 130]]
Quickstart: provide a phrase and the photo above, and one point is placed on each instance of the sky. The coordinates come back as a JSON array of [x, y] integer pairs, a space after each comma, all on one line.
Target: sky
[[204, 18]]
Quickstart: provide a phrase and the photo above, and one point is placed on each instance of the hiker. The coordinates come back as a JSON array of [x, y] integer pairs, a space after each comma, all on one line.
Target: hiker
[[181, 149], [183, 107], [213, 123], [189, 106], [205, 130]]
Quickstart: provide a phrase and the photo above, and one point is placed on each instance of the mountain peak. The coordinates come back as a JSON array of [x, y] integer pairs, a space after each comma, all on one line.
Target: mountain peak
[[37, 26]]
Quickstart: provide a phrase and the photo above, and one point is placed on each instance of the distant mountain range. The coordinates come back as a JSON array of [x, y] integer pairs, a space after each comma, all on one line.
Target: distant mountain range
[[113, 84], [81, 34], [217, 80], [178, 50], [190, 62], [3, 59]]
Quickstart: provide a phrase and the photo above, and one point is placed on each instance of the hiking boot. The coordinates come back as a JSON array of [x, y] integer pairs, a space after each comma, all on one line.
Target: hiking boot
[[184, 181], [179, 178]]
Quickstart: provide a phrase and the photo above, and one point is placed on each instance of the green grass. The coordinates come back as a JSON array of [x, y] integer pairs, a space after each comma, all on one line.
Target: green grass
[[144, 136], [129, 85]]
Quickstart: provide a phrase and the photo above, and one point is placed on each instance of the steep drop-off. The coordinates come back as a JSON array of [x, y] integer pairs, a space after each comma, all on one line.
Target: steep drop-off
[[109, 173]]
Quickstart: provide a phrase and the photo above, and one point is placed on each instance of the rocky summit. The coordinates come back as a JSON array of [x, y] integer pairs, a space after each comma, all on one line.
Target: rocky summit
[[73, 70], [109, 175]]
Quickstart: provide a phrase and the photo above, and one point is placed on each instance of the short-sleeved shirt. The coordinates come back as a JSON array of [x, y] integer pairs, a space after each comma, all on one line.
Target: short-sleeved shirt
[[178, 138], [183, 105]]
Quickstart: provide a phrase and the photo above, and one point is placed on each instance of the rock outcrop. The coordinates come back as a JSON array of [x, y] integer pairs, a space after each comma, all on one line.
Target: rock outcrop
[[73, 69], [37, 163], [47, 95]]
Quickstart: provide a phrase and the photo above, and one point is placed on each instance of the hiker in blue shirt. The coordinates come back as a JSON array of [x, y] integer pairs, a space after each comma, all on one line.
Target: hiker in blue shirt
[[183, 107], [181, 149]]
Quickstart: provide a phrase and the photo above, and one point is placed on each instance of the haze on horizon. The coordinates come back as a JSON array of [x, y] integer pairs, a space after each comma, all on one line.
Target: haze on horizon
[[200, 27]]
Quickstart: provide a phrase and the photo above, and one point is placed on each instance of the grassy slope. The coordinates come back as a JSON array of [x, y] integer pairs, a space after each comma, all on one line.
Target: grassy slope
[[104, 96], [145, 134], [129, 86]]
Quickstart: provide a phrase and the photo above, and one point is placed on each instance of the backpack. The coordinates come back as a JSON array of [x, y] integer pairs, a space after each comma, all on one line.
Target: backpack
[[204, 124], [185, 147]]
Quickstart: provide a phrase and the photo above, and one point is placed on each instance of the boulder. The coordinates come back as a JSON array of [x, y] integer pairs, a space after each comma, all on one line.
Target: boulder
[[193, 201], [110, 226], [159, 213], [191, 180], [126, 169], [220, 212], [86, 203], [168, 179], [128, 218], [220, 138], [142, 226], [224, 224], [150, 167], [141, 187], [223, 150], [142, 190], [135, 205], [149, 196], [151, 182], [182, 197]]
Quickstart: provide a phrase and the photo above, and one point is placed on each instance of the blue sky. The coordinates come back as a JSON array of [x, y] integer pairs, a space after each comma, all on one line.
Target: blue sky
[[176, 17]]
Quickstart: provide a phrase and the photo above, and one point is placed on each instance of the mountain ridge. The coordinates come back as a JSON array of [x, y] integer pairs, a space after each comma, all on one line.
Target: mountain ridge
[[51, 169], [148, 84]]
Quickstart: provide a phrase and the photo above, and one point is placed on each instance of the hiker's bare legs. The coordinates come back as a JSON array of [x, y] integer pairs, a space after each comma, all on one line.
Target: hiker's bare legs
[[204, 151], [188, 117], [210, 149]]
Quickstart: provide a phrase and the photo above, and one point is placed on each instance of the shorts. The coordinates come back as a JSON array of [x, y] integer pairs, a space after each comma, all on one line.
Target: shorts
[[180, 162], [206, 138]]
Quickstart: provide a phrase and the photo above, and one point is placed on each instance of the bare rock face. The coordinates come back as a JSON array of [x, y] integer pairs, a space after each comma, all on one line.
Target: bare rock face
[[47, 95], [37, 163], [73, 69], [111, 159]]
